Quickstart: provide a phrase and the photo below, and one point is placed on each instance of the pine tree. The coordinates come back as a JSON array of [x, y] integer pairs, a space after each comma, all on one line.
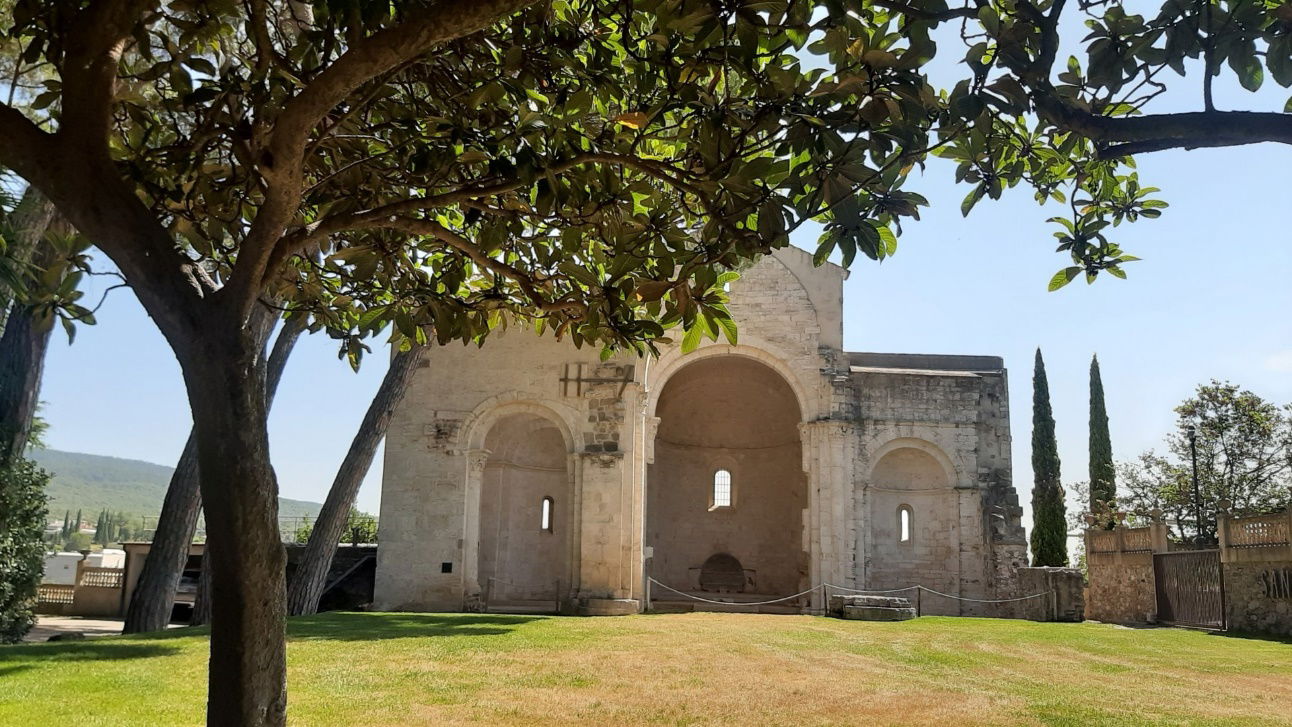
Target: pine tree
[[1103, 482], [1049, 526]]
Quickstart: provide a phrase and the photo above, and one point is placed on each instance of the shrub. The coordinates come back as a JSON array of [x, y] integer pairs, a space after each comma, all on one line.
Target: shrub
[[22, 550]]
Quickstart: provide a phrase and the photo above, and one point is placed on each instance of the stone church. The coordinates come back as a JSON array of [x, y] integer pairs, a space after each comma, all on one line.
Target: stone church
[[531, 475]]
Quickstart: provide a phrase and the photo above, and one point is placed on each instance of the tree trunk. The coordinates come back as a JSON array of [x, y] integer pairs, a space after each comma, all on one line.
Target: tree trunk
[[22, 364], [310, 577], [154, 595], [224, 373], [30, 219]]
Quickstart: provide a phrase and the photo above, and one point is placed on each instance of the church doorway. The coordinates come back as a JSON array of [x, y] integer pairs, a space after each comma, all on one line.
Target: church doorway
[[524, 516], [726, 492]]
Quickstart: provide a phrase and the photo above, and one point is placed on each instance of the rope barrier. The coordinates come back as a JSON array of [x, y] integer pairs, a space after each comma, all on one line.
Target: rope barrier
[[858, 590], [735, 603], [852, 590], [945, 595], [986, 600]]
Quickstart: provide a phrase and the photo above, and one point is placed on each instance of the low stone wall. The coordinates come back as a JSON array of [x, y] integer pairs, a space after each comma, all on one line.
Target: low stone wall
[[1120, 588], [1067, 603], [1258, 597]]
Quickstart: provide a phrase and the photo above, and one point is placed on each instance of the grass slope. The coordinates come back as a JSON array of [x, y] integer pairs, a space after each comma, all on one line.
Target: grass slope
[[91, 482], [682, 669]]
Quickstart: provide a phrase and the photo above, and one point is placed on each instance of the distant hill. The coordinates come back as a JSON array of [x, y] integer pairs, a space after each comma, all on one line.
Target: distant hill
[[91, 482]]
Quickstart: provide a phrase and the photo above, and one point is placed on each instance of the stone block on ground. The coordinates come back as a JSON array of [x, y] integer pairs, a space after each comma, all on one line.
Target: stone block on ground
[[871, 608]]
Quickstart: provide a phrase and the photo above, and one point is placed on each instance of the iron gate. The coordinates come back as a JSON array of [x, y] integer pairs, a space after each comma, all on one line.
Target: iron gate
[[1190, 588]]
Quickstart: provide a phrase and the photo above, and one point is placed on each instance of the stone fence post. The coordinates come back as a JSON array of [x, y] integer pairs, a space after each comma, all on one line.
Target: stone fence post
[[1158, 531]]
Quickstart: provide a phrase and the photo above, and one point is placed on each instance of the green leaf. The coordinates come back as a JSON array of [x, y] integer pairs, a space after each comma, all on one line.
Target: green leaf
[[729, 330], [972, 198], [1249, 71], [1063, 277], [691, 340]]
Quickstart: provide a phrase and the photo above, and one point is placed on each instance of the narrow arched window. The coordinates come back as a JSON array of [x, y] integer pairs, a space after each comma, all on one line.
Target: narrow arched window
[[722, 488], [904, 524], [546, 521]]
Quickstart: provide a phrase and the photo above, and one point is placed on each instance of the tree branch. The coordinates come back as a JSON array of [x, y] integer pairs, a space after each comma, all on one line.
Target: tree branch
[[928, 15], [24, 147], [281, 156], [417, 226], [1121, 136], [302, 238]]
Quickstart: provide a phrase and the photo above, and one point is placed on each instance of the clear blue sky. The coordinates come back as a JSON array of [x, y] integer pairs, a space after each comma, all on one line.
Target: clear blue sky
[[1211, 299]]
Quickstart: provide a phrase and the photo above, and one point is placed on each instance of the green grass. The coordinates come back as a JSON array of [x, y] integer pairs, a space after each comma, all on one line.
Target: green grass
[[685, 669]]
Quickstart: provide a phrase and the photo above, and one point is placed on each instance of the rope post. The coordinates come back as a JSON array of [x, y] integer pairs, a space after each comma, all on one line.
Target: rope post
[[918, 589], [488, 593], [558, 596], [825, 593], [1054, 606], [648, 583]]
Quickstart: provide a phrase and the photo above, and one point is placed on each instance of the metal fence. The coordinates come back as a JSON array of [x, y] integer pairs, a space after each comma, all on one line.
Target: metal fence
[[1190, 588]]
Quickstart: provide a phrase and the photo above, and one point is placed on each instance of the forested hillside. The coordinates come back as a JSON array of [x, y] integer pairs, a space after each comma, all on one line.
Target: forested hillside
[[91, 482]]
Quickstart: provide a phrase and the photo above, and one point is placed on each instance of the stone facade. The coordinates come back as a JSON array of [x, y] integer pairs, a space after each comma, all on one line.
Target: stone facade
[[860, 470]]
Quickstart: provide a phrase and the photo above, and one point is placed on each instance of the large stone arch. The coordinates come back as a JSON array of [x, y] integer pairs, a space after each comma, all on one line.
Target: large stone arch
[[738, 414], [475, 427], [659, 372], [935, 452]]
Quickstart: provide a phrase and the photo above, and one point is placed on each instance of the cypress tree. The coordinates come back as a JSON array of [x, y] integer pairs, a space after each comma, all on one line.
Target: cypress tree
[[1103, 482], [1049, 527], [76, 527], [67, 524]]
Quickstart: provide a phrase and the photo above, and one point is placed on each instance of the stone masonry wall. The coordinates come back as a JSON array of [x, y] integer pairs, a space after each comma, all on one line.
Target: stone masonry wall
[[1120, 588], [1258, 597], [962, 417]]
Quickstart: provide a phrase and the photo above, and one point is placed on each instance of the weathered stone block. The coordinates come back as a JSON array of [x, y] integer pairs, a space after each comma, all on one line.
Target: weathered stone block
[[871, 608]]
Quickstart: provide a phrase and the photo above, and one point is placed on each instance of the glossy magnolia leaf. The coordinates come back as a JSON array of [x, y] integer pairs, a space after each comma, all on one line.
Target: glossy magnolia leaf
[[1063, 277], [691, 339]]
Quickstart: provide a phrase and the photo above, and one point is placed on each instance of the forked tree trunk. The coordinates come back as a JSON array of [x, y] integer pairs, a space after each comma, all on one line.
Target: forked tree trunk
[[310, 577], [154, 595], [225, 377]]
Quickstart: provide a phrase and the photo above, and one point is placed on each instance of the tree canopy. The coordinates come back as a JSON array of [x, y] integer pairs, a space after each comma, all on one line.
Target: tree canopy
[[1244, 445]]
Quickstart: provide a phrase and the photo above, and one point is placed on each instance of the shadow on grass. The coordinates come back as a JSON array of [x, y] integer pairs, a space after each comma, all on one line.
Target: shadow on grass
[[1253, 636], [377, 626], [21, 656]]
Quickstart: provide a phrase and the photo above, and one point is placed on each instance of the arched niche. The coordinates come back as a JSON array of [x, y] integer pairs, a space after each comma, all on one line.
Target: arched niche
[[737, 414], [912, 483], [524, 512]]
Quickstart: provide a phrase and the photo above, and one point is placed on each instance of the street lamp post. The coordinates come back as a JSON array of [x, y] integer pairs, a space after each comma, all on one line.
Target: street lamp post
[[1197, 495]]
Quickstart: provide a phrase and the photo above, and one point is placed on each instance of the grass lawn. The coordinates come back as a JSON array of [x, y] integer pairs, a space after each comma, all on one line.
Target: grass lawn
[[682, 669]]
